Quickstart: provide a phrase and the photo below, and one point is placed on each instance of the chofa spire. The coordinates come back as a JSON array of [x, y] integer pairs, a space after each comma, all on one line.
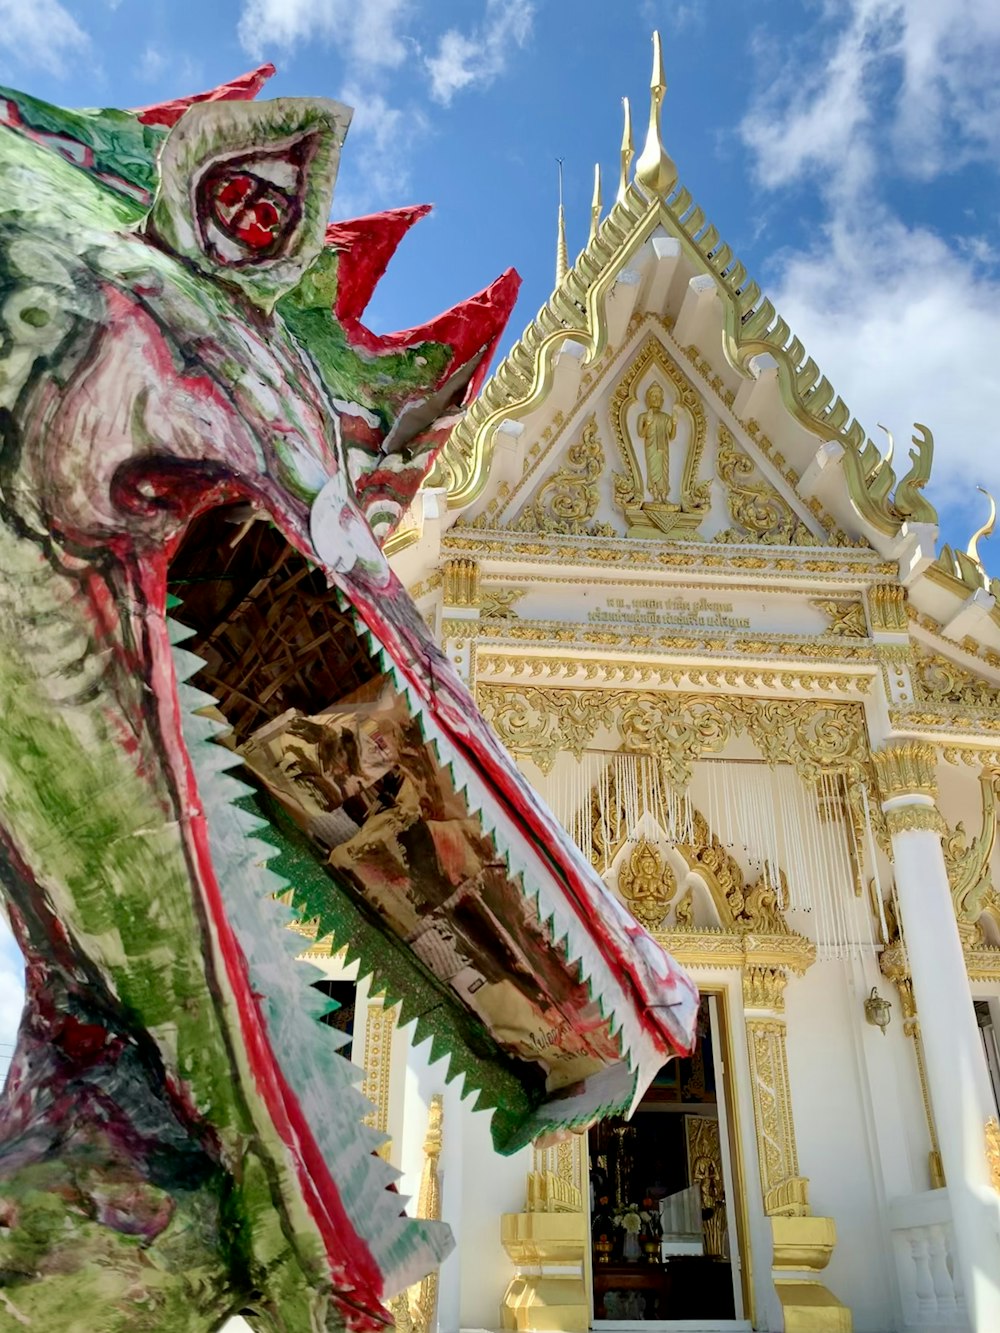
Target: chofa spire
[[596, 204], [655, 169], [562, 256], [627, 151], [985, 531]]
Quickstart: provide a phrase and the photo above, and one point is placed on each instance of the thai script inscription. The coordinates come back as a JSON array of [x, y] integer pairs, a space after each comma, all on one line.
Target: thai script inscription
[[667, 611]]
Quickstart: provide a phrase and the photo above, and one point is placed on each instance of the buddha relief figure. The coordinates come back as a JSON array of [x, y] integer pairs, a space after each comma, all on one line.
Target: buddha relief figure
[[656, 429]]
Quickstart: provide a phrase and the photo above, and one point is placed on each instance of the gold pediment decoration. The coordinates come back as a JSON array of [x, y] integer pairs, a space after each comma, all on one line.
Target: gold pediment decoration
[[938, 680], [647, 884], [759, 513], [567, 501], [643, 491], [969, 870]]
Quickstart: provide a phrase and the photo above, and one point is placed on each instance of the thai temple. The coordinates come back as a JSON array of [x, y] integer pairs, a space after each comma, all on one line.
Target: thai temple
[[711, 618]]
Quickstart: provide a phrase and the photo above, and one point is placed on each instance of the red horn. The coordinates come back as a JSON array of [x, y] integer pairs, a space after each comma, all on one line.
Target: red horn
[[243, 89]]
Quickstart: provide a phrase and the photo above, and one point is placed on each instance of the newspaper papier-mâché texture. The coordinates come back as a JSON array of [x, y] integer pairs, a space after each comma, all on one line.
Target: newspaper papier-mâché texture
[[219, 712]]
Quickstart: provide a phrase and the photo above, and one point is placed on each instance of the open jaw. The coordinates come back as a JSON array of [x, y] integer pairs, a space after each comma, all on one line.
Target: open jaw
[[347, 781]]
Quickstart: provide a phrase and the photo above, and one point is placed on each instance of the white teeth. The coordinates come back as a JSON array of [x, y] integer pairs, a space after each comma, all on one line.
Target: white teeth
[[323, 1081], [187, 665]]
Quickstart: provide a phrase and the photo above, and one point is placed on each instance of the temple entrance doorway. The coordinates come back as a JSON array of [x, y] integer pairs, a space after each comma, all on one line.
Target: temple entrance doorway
[[665, 1244]]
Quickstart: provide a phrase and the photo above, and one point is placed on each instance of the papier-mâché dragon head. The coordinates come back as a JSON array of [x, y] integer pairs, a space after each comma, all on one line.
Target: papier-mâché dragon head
[[194, 419]]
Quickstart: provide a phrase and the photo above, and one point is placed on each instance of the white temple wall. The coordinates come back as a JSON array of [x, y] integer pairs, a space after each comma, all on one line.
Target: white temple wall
[[477, 1186], [839, 1148], [491, 1185]]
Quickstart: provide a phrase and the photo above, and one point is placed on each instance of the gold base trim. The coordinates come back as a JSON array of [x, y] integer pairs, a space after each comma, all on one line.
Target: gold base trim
[[809, 1307]]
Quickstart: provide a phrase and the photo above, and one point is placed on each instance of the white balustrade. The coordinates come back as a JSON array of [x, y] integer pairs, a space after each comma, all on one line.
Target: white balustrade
[[929, 1282]]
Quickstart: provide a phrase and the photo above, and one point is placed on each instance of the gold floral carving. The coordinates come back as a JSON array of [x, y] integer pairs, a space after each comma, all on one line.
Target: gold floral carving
[[915, 818], [785, 1192], [725, 948], [741, 907], [540, 722], [906, 768], [992, 1129], [941, 681], [759, 513], [415, 1309], [498, 603], [968, 862], [567, 501], [764, 988], [847, 619], [461, 583], [887, 608], [684, 912], [647, 884], [658, 517]]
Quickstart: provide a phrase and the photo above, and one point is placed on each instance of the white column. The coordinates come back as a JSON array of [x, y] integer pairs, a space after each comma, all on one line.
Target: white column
[[956, 1068]]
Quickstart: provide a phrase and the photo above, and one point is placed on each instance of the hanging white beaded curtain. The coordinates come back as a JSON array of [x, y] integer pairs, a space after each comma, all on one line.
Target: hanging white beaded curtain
[[768, 816]]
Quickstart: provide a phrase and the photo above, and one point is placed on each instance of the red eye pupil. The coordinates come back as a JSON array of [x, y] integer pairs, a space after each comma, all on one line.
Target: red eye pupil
[[256, 225], [234, 191], [245, 207]]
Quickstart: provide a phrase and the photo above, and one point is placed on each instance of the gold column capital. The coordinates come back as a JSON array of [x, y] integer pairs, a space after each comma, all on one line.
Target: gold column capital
[[887, 608], [461, 583], [764, 988], [906, 768]]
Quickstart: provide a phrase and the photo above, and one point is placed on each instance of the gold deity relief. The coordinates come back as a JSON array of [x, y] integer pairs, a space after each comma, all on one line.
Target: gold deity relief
[[647, 884], [660, 428]]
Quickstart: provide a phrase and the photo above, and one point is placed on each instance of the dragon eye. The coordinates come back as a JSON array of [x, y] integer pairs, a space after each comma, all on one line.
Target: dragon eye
[[245, 189], [247, 214]]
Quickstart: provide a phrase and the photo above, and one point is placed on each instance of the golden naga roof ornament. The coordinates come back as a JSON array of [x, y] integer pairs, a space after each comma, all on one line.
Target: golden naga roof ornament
[[596, 204], [655, 169], [972, 550], [885, 460], [627, 153], [562, 256]]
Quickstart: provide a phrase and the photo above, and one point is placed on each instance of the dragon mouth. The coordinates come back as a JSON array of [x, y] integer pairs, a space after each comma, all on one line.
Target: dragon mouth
[[357, 809]]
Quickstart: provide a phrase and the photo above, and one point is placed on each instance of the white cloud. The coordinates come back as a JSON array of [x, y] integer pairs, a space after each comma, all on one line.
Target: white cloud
[[903, 83], [481, 56], [891, 313], [378, 174], [368, 32], [902, 319], [41, 33]]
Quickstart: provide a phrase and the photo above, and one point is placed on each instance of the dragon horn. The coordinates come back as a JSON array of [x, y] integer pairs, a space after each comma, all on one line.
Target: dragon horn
[[242, 89], [364, 246]]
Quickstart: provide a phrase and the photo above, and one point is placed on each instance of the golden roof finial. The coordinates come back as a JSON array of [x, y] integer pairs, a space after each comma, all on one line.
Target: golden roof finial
[[596, 203], [890, 449], [972, 550], [655, 168], [562, 257], [627, 152]]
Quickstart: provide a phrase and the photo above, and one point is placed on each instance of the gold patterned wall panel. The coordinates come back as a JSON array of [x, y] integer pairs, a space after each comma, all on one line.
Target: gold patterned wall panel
[[379, 1025], [539, 722], [785, 1192]]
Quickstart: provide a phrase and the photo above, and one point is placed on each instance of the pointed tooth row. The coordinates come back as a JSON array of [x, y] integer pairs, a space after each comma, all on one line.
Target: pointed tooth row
[[322, 1080], [561, 923]]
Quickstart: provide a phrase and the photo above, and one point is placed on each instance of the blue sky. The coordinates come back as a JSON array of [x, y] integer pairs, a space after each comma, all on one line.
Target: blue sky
[[847, 150]]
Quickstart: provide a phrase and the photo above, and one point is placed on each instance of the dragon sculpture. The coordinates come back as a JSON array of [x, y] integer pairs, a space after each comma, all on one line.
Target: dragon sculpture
[[200, 441]]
